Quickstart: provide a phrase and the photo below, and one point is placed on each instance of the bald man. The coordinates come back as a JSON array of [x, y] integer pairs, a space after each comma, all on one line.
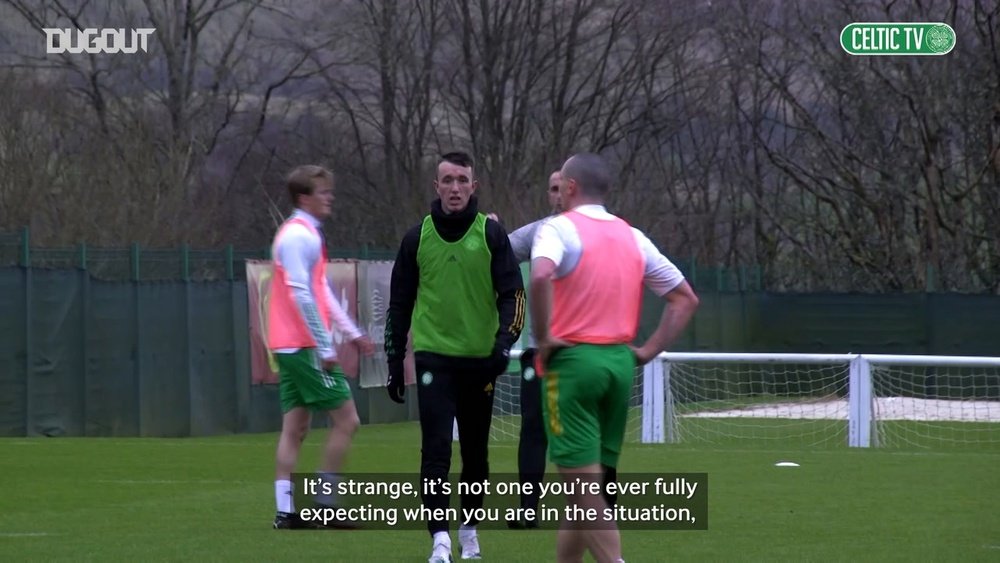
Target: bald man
[[585, 315]]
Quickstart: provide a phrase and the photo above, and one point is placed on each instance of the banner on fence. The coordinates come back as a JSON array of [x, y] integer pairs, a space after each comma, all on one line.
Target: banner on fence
[[373, 284]]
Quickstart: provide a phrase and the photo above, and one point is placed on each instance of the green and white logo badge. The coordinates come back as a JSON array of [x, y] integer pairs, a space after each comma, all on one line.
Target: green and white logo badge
[[911, 38], [529, 374], [426, 378]]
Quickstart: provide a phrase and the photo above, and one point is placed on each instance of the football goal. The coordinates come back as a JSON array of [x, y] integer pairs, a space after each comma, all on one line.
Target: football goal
[[859, 400]]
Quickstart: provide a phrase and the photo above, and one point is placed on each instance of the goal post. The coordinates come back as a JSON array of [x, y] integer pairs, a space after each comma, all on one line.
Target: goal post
[[655, 400], [857, 400], [859, 411]]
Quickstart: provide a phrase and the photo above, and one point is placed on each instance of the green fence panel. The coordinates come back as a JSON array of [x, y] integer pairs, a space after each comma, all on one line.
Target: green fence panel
[[265, 409], [210, 346], [164, 372], [240, 334], [839, 324], [959, 325], [13, 352], [56, 384], [112, 352]]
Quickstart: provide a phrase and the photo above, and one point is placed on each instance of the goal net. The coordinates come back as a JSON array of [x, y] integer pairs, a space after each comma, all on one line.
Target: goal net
[[939, 401], [805, 400], [738, 399]]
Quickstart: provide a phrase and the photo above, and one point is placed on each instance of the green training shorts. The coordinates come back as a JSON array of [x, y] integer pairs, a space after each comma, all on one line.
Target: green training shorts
[[585, 396], [302, 382]]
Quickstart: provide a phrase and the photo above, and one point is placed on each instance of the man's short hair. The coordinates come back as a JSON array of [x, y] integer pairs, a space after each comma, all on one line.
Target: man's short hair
[[458, 159], [590, 172], [302, 180]]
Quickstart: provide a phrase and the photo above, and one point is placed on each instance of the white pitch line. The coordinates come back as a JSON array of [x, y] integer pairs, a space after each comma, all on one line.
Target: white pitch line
[[144, 442], [23, 534], [171, 481], [806, 450]]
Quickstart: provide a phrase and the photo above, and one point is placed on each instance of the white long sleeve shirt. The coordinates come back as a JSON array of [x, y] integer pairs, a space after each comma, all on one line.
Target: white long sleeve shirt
[[520, 242], [298, 249]]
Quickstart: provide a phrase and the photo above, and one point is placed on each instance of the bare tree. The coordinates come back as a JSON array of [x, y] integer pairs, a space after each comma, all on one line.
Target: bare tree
[[148, 122], [741, 132], [864, 172], [529, 83]]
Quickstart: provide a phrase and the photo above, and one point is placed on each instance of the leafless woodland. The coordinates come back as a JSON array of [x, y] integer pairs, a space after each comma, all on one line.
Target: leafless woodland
[[740, 131]]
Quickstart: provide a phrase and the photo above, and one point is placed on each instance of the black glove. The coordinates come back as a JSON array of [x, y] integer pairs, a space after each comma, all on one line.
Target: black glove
[[498, 362], [395, 385]]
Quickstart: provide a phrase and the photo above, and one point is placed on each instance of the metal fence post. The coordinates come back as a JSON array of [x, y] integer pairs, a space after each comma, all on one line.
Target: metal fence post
[[136, 298], [84, 322], [229, 263], [28, 352], [185, 262]]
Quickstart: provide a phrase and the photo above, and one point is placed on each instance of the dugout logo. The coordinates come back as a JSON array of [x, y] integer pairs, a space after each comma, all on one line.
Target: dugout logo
[[93, 40]]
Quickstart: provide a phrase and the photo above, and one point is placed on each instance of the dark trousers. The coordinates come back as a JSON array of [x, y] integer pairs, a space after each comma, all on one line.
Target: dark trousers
[[444, 396], [533, 443]]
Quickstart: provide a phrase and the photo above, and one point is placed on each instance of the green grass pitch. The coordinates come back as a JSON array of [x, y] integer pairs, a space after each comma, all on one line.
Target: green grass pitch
[[211, 499]]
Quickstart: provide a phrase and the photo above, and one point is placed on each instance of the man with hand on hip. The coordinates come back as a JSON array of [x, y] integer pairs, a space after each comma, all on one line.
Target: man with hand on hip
[[585, 315]]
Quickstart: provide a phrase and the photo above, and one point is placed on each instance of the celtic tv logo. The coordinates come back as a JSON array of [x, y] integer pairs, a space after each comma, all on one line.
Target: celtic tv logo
[[872, 38]]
